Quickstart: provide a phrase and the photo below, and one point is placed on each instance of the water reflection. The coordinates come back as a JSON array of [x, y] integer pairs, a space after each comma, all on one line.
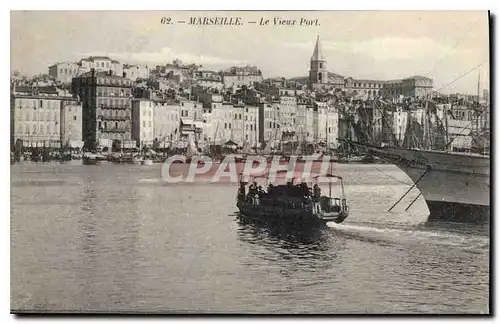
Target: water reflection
[[285, 234], [287, 242], [87, 221], [89, 244]]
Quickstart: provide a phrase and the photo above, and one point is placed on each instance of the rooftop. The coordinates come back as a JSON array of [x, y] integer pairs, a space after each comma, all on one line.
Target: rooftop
[[100, 74], [417, 77]]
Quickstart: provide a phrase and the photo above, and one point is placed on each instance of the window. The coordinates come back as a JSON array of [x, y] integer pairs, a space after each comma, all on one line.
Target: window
[[74, 117], [116, 124], [149, 123]]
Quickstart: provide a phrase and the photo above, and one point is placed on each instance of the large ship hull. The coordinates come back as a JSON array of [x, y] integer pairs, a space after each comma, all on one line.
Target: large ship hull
[[455, 186]]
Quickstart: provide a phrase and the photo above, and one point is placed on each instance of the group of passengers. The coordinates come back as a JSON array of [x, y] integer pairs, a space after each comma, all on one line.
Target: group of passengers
[[301, 192]]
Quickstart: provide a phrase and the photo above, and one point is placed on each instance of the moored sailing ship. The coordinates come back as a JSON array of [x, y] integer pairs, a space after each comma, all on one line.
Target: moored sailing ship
[[454, 182]]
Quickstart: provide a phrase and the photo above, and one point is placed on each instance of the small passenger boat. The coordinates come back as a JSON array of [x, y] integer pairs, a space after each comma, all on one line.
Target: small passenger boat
[[294, 204]]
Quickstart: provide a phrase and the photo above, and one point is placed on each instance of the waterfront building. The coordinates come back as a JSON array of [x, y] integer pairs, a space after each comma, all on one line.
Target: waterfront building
[[191, 119], [301, 122], [250, 132], [288, 112], [39, 118], [106, 102], [166, 121], [143, 122], [221, 129], [71, 124], [332, 127], [311, 121], [266, 127]]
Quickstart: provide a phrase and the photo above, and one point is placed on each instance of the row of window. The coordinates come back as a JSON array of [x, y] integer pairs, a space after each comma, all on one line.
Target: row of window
[[110, 102], [117, 135], [368, 85], [196, 114], [112, 92], [37, 103], [37, 129], [29, 115], [68, 71], [114, 113], [172, 117], [113, 125]]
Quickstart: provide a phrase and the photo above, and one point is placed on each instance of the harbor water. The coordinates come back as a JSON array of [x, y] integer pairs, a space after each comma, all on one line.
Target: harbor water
[[116, 238]]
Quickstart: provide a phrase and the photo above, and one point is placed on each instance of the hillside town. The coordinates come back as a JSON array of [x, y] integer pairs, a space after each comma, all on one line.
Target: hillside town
[[102, 104]]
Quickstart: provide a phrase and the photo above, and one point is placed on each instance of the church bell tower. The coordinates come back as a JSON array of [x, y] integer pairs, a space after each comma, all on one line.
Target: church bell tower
[[318, 74]]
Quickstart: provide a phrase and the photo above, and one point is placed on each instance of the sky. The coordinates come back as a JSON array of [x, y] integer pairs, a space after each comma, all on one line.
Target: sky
[[442, 45]]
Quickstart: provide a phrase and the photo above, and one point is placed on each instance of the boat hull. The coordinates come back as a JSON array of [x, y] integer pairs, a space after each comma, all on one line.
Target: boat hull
[[456, 187], [294, 217], [458, 212], [266, 214]]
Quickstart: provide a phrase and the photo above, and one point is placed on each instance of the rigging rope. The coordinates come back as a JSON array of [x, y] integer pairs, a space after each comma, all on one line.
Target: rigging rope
[[455, 46], [466, 73], [393, 178]]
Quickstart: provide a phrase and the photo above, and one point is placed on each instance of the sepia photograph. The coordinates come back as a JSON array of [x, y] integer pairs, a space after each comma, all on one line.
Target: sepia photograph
[[250, 162]]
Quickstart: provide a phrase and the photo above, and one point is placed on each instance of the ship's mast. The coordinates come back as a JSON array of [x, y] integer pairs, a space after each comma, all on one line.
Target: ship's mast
[[478, 106], [326, 129], [445, 112]]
